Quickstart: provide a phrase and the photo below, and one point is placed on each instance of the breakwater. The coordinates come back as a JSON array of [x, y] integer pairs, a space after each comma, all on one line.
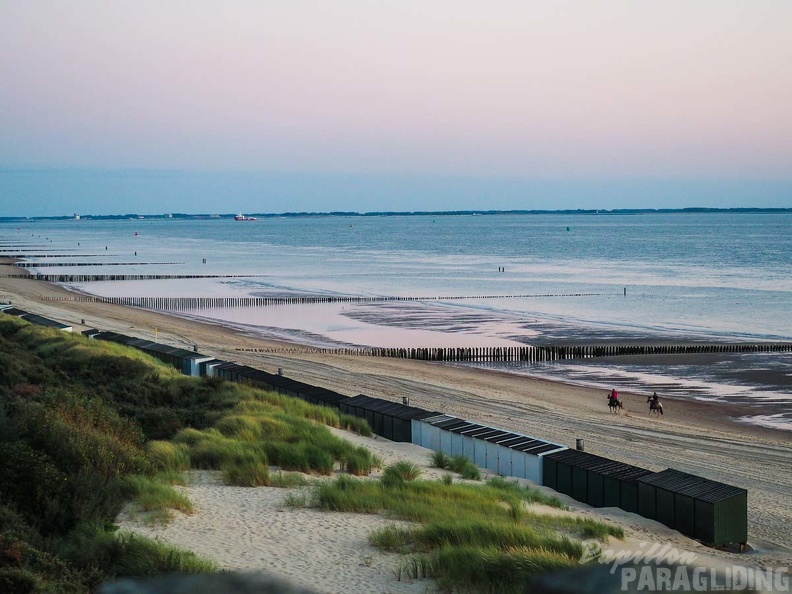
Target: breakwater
[[64, 264], [58, 256], [539, 354], [185, 303], [86, 278]]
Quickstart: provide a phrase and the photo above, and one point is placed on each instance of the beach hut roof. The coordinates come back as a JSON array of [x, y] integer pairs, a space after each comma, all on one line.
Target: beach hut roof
[[15, 311], [42, 321], [439, 418], [692, 485], [394, 409], [599, 464]]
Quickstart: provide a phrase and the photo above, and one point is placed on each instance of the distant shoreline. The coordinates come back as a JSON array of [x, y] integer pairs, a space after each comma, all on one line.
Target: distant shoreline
[[439, 213]]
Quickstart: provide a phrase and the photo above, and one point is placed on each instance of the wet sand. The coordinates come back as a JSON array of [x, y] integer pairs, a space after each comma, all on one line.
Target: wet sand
[[694, 436]]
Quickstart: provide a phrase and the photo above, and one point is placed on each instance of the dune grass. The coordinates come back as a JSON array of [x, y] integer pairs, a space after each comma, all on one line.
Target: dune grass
[[166, 456], [470, 537], [485, 570], [155, 497], [128, 554], [265, 429], [461, 465], [289, 480]]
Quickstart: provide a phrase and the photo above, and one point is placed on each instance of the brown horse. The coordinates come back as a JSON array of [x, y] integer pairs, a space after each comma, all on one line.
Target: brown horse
[[655, 406], [614, 404]]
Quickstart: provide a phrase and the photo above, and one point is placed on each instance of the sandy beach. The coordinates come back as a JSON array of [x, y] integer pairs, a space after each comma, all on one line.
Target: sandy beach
[[233, 525]]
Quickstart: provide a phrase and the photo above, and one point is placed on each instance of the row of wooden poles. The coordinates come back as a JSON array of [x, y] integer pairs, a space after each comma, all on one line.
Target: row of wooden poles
[[182, 303], [64, 264], [32, 264], [539, 354], [84, 278]]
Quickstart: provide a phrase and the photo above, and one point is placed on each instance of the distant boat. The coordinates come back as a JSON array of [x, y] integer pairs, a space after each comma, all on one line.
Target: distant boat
[[241, 217]]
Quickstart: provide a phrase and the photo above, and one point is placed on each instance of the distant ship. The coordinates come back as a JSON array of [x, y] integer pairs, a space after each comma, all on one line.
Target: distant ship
[[241, 217]]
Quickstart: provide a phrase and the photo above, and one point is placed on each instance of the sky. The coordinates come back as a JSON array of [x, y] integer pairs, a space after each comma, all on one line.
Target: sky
[[251, 105]]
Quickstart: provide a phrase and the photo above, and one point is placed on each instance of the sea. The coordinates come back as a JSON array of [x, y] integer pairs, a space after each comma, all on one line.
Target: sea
[[469, 280]]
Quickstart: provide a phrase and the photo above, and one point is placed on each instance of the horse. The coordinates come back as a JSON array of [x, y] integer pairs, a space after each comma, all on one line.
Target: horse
[[614, 404], [655, 406]]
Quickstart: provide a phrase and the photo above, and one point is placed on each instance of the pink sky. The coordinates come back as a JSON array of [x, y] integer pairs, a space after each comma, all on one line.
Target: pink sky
[[669, 88]]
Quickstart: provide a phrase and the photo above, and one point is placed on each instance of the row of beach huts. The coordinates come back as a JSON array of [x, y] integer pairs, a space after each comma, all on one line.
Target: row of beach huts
[[712, 512]]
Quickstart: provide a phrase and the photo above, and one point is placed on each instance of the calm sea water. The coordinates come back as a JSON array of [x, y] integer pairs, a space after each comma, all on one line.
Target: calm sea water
[[687, 276]]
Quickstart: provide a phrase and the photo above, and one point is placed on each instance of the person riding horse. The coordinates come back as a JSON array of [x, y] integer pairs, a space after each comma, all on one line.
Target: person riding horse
[[655, 406], [614, 404]]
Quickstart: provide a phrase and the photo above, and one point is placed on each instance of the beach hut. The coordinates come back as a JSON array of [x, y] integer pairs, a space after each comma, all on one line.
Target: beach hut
[[426, 432], [595, 480], [450, 441], [206, 368], [226, 370], [391, 420], [713, 512], [527, 457], [46, 322], [456, 429], [492, 461]]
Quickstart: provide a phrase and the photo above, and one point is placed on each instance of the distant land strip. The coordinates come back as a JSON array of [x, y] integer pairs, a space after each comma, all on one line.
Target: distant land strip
[[434, 213]]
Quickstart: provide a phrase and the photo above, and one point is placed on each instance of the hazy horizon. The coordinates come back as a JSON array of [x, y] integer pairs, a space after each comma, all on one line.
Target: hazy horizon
[[405, 105]]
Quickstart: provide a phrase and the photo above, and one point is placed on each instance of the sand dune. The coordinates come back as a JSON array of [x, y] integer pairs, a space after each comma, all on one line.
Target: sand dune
[[693, 436]]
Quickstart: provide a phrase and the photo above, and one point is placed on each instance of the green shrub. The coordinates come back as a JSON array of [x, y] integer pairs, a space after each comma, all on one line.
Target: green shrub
[[288, 480], [394, 539], [346, 494], [361, 462], [190, 436], [440, 460], [246, 428], [168, 457], [490, 570], [355, 424], [295, 499], [247, 472], [152, 495], [399, 473], [536, 496]]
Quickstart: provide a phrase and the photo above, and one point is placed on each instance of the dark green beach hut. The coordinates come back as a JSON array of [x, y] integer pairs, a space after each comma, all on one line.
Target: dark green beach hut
[[714, 513], [390, 420], [591, 479]]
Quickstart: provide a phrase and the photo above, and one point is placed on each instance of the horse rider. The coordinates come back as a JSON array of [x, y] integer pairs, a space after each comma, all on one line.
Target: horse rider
[[655, 400], [613, 397]]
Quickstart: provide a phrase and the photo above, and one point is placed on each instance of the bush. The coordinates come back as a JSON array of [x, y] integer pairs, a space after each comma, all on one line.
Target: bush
[[404, 469], [248, 472], [130, 555], [246, 428], [490, 570], [152, 495], [288, 480], [168, 457], [355, 424], [360, 462], [440, 460]]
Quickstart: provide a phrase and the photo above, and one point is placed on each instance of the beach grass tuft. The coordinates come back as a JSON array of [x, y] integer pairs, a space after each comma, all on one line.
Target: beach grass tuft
[[288, 480], [167, 456], [400, 472], [152, 495]]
